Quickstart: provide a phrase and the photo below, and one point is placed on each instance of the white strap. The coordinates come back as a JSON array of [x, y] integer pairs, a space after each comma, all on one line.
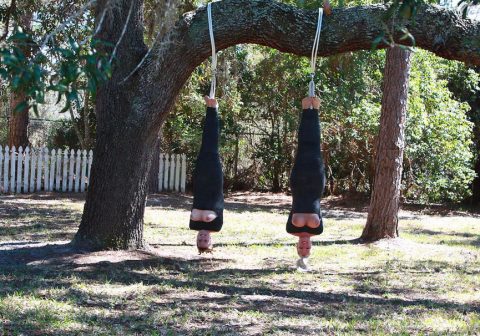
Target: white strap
[[313, 60], [214, 54]]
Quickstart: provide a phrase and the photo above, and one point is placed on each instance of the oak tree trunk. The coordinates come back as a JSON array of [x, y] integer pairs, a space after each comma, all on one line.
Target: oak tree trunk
[[114, 208], [382, 219]]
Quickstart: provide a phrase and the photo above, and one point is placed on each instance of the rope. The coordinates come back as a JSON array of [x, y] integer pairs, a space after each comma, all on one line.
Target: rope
[[214, 54], [313, 60]]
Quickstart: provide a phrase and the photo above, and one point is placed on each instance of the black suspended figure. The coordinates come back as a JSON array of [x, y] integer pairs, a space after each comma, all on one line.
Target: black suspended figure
[[207, 212], [307, 179]]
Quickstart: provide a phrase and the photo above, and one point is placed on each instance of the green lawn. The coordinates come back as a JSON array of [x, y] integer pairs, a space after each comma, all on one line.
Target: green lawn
[[427, 282]]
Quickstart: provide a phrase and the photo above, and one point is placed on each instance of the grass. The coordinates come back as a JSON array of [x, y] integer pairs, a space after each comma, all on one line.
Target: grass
[[426, 283]]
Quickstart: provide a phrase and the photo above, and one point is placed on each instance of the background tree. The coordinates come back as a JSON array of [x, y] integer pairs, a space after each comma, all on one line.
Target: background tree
[[382, 221]]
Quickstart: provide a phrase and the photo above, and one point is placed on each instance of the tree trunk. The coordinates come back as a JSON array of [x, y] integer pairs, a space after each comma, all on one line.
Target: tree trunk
[[382, 219], [113, 212], [18, 122]]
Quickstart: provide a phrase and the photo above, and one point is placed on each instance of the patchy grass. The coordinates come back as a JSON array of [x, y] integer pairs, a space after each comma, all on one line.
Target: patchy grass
[[427, 282]]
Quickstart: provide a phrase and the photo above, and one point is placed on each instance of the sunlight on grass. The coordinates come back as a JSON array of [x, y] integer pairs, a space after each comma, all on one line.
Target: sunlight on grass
[[428, 282]]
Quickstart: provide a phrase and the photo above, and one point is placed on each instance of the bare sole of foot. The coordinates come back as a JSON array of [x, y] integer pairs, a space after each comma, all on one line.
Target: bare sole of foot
[[203, 215], [310, 220]]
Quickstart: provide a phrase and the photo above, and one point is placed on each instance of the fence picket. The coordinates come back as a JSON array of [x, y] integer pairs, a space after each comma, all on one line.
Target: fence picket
[[71, 171], [58, 169], [13, 158], [18, 185], [39, 169], [33, 163], [84, 171], [46, 165], [77, 170], [160, 173], [177, 173], [26, 169], [183, 179], [6, 159], [53, 160], [172, 171], [165, 172], [90, 160], [65, 169]]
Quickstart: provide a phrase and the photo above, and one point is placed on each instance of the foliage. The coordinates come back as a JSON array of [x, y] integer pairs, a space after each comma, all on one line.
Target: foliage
[[260, 92], [32, 56]]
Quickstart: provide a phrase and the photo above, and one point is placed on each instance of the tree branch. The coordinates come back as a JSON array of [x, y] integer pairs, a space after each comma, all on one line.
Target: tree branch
[[290, 29]]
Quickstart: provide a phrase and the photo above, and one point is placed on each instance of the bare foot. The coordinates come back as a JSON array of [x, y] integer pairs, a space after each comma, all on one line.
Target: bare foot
[[204, 241], [310, 102], [304, 246], [306, 219], [202, 215], [210, 102]]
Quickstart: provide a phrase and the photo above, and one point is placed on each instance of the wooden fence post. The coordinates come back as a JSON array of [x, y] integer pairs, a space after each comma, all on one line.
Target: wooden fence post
[[77, 170], [46, 165], [90, 160], [53, 160], [33, 162], [172, 172], [19, 170], [12, 169], [71, 170], [184, 173], [58, 168], [39, 169], [84, 171], [6, 159], [65, 170], [26, 169], [160, 173]]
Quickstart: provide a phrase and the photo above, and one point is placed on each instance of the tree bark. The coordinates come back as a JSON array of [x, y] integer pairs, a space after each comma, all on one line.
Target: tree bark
[[115, 203], [133, 104], [18, 122], [382, 221]]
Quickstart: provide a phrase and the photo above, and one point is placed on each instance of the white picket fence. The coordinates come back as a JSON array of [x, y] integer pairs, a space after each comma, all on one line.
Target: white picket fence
[[172, 172], [40, 169]]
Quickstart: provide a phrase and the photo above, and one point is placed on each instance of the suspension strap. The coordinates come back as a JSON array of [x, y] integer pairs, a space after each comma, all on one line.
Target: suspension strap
[[213, 85], [313, 60]]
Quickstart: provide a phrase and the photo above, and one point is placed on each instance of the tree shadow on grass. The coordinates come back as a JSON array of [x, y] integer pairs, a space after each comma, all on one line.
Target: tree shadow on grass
[[25, 221], [203, 286]]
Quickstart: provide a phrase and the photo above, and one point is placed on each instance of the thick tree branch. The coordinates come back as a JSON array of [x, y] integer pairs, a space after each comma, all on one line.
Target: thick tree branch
[[290, 29]]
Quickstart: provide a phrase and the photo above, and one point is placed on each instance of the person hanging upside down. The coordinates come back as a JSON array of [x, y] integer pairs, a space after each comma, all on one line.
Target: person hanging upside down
[[307, 179], [207, 212]]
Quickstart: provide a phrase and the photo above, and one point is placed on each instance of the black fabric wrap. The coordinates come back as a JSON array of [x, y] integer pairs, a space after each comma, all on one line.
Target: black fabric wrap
[[307, 179], [208, 176]]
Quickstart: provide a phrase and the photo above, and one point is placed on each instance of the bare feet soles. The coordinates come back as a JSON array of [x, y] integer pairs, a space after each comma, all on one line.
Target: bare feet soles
[[310, 220], [203, 215]]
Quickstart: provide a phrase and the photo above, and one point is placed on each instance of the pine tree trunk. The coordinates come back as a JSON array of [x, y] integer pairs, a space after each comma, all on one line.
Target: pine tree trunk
[[382, 219], [18, 123]]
